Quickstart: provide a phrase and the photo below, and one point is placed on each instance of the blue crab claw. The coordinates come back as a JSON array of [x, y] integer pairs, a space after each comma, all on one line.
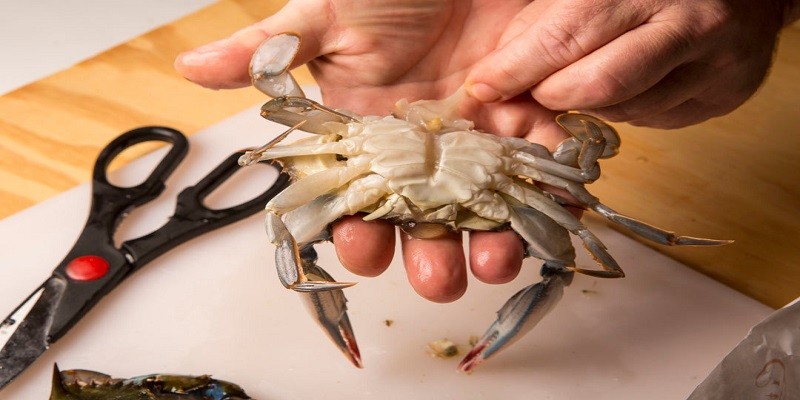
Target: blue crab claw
[[519, 315], [330, 309]]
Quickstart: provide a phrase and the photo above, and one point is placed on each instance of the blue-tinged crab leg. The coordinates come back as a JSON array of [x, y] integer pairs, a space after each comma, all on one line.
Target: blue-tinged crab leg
[[654, 233], [330, 308], [519, 315]]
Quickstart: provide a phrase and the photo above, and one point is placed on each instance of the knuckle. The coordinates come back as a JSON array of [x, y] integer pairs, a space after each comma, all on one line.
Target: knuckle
[[593, 88], [559, 44], [606, 87]]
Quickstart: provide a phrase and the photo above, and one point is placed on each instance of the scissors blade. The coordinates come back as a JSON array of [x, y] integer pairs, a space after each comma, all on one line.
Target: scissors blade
[[24, 333]]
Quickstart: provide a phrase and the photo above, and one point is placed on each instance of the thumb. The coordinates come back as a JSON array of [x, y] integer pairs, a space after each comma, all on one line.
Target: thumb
[[224, 64]]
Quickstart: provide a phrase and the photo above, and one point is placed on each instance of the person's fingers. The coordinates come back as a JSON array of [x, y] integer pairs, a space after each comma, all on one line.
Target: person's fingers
[[436, 268], [364, 248], [627, 66], [687, 113], [563, 34], [225, 63], [713, 102], [691, 94], [520, 116], [495, 257], [677, 87]]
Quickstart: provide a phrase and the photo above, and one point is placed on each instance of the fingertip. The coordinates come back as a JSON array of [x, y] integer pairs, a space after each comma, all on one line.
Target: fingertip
[[483, 92], [364, 248], [436, 268], [495, 257], [222, 64]]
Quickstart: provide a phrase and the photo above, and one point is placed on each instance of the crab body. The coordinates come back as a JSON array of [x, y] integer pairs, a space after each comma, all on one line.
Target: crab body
[[429, 171], [399, 171]]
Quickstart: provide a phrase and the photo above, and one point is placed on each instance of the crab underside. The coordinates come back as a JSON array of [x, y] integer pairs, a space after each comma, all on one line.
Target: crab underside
[[429, 171]]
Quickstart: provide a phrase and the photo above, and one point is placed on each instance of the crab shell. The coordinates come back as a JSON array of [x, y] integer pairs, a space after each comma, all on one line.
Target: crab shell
[[81, 384]]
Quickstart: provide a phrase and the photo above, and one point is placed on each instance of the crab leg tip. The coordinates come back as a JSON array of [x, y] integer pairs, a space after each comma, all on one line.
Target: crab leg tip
[[352, 352], [320, 286], [472, 359], [693, 241]]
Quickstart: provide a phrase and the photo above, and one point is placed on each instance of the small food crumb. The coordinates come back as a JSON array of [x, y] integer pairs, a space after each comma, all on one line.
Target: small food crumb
[[442, 348], [388, 322], [473, 340]]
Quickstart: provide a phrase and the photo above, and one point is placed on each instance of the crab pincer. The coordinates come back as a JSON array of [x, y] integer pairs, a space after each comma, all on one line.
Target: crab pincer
[[521, 313]]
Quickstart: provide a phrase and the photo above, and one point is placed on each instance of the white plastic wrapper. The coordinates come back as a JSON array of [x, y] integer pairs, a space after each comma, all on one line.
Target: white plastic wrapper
[[764, 366]]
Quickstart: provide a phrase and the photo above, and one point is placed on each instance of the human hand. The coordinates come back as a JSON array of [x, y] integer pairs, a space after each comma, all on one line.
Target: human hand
[[365, 56], [659, 63]]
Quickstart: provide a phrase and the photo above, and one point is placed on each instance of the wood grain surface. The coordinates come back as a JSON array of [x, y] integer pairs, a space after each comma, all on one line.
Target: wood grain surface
[[735, 177]]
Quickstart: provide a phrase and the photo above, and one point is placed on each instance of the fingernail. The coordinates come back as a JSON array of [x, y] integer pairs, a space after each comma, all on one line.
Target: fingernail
[[484, 92]]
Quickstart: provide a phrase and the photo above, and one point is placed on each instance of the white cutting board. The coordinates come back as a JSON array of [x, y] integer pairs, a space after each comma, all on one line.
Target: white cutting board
[[214, 305]]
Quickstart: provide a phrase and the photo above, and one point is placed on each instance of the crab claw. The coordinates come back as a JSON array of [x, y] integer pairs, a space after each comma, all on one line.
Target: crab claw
[[330, 309], [269, 67], [519, 315]]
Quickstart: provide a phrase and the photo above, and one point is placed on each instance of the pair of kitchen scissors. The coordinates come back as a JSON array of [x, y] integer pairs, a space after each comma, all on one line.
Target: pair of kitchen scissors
[[95, 265]]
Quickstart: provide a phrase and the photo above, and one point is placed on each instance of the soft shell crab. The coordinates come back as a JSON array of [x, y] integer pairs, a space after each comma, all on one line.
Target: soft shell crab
[[429, 171]]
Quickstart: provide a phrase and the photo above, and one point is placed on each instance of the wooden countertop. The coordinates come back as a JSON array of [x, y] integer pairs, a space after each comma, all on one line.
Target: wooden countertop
[[736, 177]]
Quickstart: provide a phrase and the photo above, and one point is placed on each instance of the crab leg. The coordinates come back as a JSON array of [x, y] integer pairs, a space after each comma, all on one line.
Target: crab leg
[[330, 308], [640, 228], [267, 152], [647, 231], [545, 204], [654, 233], [291, 111], [519, 315]]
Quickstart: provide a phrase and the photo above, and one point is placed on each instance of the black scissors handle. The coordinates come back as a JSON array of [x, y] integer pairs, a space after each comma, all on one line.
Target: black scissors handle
[[109, 201], [192, 217], [95, 265]]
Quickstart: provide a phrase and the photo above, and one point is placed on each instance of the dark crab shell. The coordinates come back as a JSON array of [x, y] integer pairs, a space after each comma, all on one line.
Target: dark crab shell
[[89, 385]]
